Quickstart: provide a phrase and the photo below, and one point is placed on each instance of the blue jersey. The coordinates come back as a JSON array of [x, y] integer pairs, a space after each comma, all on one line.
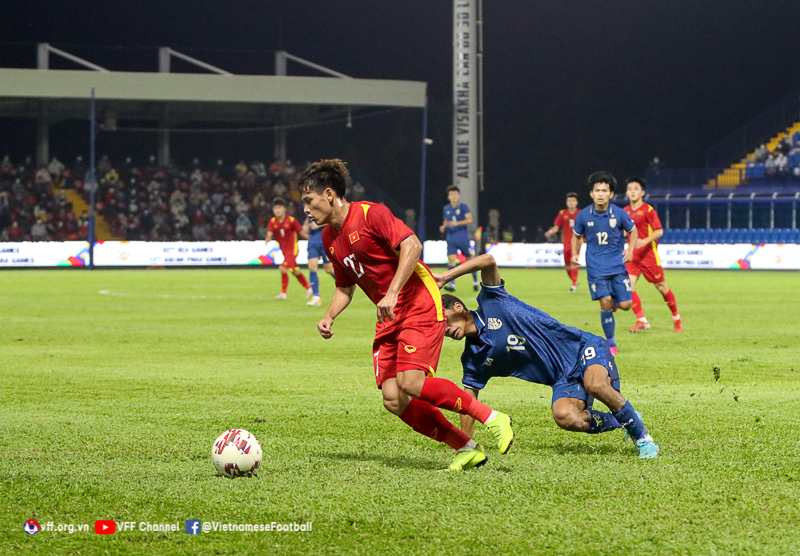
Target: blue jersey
[[315, 236], [455, 215], [515, 339], [604, 238]]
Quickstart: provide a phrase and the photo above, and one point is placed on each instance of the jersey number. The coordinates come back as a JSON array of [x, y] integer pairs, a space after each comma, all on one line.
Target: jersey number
[[627, 284], [588, 353], [602, 238], [354, 265]]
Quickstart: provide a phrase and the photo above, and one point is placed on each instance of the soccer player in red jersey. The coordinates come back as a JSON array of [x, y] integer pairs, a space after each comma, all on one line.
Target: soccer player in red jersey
[[645, 255], [286, 230], [565, 221], [375, 251]]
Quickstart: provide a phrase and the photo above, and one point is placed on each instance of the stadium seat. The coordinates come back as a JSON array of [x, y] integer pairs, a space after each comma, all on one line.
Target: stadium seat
[[749, 235], [796, 139], [758, 171]]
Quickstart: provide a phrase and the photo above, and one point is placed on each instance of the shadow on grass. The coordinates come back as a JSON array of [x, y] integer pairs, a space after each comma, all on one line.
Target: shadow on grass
[[401, 462]]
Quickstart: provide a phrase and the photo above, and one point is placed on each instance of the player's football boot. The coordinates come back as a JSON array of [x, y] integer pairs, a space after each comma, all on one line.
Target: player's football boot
[[280, 296], [501, 430], [647, 448], [309, 293], [573, 289], [640, 326], [613, 350], [449, 287], [678, 325], [315, 302], [468, 459]]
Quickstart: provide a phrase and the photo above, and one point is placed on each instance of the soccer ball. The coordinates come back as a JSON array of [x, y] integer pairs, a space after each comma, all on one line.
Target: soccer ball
[[236, 453]]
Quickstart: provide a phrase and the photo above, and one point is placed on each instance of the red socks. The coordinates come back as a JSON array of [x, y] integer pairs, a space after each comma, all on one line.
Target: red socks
[[573, 273], [284, 282], [444, 394], [429, 421], [669, 299], [303, 281], [637, 306]]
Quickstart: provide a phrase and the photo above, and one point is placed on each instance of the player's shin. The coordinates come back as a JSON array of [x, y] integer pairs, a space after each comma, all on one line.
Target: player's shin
[[284, 283], [429, 421], [302, 280], [637, 307], [313, 278], [607, 320], [669, 299], [628, 418], [447, 395]]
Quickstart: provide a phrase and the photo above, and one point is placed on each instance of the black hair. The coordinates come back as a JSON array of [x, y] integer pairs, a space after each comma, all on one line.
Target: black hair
[[278, 201], [449, 302], [321, 175], [453, 188], [635, 179], [602, 177], [573, 195]]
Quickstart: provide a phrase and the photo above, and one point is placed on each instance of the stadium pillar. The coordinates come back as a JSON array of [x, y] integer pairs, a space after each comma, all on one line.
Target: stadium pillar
[[164, 66], [467, 113], [92, 179], [43, 135], [280, 113], [421, 231]]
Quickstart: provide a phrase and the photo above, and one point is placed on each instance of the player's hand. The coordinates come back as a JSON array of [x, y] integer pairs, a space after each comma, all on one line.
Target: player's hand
[[324, 327], [640, 243], [442, 228], [547, 233], [440, 282], [386, 307], [575, 260], [628, 257]]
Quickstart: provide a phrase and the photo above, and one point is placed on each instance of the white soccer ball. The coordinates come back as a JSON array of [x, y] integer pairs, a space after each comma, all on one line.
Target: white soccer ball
[[236, 453]]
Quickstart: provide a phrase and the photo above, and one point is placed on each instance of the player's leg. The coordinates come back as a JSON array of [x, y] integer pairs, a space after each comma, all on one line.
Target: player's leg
[[303, 282], [641, 320], [328, 267], [419, 345], [469, 253], [603, 294], [313, 277], [572, 271], [452, 262], [284, 282], [572, 410], [669, 299]]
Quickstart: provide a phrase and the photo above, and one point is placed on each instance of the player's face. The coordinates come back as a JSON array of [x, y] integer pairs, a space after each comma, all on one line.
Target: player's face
[[454, 197], [635, 191], [317, 207], [459, 322], [572, 203], [601, 195], [279, 210]]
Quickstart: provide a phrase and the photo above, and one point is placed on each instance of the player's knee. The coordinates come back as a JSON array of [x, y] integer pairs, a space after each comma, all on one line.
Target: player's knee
[[392, 405], [605, 304], [565, 417], [410, 383], [625, 305]]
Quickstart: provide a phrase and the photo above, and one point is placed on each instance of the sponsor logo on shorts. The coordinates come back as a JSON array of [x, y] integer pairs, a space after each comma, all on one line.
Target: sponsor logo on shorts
[[495, 324], [354, 237], [657, 276], [409, 349]]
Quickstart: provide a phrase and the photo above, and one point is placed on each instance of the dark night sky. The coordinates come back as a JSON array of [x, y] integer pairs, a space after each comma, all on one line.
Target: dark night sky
[[571, 86]]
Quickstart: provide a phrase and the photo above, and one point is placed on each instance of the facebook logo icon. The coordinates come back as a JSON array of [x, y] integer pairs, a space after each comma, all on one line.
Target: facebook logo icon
[[192, 526]]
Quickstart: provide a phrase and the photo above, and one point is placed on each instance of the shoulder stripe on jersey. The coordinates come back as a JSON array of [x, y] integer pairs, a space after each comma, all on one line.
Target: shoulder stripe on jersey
[[433, 289], [366, 208]]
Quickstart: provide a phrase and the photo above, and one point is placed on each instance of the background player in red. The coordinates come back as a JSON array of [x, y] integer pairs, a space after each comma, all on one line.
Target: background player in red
[[286, 230], [372, 249], [645, 255], [565, 221]]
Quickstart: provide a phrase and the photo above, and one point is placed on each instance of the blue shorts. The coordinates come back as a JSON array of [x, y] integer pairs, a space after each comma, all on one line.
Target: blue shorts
[[456, 244], [617, 286], [595, 351], [315, 251]]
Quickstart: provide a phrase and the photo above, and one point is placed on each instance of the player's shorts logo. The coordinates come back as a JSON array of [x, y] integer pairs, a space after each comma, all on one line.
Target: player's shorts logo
[[31, 527], [594, 288], [613, 222], [657, 276], [495, 324], [354, 237], [409, 349]]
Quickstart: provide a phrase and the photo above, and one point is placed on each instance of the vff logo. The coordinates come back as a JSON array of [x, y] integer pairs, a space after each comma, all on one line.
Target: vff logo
[[193, 527]]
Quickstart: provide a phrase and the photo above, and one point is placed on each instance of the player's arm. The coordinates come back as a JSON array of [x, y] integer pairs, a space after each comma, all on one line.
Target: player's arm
[[649, 239], [551, 231], [467, 422], [269, 236], [341, 299], [490, 274], [577, 242], [410, 250], [467, 220], [634, 235], [443, 227]]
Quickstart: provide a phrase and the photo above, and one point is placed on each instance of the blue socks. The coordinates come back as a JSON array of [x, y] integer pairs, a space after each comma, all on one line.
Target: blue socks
[[630, 420], [314, 280], [452, 282], [602, 422], [607, 320], [475, 278]]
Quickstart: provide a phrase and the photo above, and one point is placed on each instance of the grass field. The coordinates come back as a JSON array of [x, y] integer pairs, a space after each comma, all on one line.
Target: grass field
[[115, 383]]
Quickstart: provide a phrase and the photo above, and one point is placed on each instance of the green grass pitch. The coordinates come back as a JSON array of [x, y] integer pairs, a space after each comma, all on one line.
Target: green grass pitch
[[115, 383]]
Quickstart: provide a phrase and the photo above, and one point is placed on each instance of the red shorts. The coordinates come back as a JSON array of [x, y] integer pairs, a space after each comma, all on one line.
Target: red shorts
[[567, 255], [652, 273], [289, 261], [413, 343]]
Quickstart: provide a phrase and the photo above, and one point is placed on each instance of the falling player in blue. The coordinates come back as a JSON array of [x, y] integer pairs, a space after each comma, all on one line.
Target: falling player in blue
[[602, 225], [457, 217], [315, 251], [506, 337]]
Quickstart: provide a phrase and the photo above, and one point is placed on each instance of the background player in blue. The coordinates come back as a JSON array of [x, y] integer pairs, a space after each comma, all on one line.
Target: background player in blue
[[315, 251], [602, 226], [506, 337], [457, 217]]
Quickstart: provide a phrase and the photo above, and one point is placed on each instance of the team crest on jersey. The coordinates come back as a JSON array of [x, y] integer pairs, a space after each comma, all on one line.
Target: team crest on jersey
[[495, 324], [354, 237], [409, 349], [613, 222]]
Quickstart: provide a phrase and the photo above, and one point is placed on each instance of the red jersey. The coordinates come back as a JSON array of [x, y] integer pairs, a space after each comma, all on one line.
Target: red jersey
[[566, 221], [285, 233], [363, 253], [646, 220]]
